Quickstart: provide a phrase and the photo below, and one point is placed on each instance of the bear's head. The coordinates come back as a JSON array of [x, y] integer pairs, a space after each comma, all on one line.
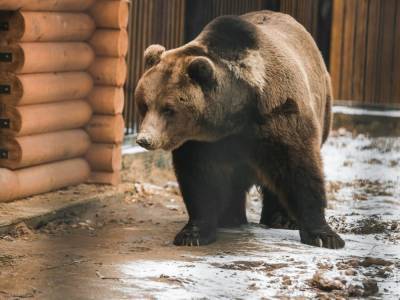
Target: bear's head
[[195, 92], [173, 97]]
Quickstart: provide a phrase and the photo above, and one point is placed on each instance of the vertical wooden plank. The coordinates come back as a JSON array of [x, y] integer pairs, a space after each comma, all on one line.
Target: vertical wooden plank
[[300, 12], [335, 62], [282, 6], [395, 93], [348, 50], [137, 46], [308, 13], [384, 74], [173, 23], [360, 50], [372, 48], [314, 19], [181, 29]]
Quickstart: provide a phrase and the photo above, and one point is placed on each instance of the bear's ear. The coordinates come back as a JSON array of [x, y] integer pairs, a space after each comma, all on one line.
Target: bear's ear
[[202, 70], [152, 55]]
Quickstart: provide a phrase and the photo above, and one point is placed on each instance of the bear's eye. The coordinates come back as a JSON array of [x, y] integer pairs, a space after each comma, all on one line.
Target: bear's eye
[[142, 108], [168, 111]]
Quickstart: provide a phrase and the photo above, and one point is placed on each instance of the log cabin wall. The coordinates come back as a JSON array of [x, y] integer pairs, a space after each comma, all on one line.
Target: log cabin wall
[[365, 52], [44, 56], [62, 68]]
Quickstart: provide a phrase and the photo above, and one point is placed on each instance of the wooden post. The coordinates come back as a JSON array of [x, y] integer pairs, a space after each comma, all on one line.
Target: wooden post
[[110, 14], [104, 157], [109, 71], [110, 42], [42, 179], [27, 89], [106, 129], [38, 149], [107, 100], [46, 57], [112, 178]]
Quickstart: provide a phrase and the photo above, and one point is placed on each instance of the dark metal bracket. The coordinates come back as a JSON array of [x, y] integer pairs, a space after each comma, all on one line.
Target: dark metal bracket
[[5, 56], [5, 89], [3, 154], [4, 26], [5, 123]]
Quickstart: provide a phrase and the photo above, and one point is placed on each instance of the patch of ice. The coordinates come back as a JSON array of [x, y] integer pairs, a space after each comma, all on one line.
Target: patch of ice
[[350, 161], [207, 277], [369, 112], [129, 149]]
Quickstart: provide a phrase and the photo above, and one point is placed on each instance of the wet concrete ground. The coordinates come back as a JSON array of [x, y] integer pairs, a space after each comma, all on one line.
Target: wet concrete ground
[[122, 249]]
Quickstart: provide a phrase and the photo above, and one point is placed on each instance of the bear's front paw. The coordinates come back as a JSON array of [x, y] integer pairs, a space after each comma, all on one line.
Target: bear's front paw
[[192, 235], [325, 237]]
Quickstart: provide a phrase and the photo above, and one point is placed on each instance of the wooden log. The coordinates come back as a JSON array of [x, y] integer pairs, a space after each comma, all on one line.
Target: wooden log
[[42, 179], [43, 88], [110, 14], [113, 178], [46, 5], [43, 118], [46, 26], [107, 100], [108, 71], [110, 42], [38, 149], [46, 57], [106, 129], [104, 157]]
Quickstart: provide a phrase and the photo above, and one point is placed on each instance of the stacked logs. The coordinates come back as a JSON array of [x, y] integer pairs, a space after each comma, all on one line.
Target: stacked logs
[[106, 127], [61, 71]]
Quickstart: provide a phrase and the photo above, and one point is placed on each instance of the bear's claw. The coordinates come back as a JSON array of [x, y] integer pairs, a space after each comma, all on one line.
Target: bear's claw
[[191, 236], [326, 238]]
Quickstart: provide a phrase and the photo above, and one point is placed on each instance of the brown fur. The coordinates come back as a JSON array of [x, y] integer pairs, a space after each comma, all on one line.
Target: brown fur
[[247, 102]]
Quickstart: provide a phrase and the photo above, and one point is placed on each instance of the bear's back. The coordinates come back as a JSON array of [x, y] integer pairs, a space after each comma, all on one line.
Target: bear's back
[[291, 39]]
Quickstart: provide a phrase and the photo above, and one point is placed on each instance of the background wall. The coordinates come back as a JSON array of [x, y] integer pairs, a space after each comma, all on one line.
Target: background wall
[[365, 51]]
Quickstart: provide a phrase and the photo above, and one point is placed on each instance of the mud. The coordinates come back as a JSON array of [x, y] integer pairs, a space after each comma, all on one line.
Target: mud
[[122, 249]]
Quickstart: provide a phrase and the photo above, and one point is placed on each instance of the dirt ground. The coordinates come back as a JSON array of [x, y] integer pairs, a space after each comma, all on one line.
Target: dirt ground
[[122, 249]]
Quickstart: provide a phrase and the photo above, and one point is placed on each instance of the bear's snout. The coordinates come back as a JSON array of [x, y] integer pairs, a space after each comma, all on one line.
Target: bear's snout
[[145, 141]]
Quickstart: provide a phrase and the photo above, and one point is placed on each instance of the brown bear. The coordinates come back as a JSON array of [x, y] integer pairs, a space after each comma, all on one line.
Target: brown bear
[[248, 102]]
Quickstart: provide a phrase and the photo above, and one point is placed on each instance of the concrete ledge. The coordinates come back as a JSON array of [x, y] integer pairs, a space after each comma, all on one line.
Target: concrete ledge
[[372, 122]]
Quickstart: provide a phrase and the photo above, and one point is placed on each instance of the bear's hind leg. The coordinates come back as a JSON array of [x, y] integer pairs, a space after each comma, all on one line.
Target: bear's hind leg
[[233, 212], [274, 214], [296, 169]]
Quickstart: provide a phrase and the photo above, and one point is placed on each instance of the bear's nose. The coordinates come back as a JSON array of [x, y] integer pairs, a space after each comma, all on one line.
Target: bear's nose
[[144, 141]]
